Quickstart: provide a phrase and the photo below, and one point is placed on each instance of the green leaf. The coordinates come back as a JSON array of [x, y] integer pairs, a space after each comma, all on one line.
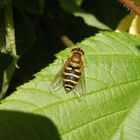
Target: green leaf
[[73, 7], [8, 57], [110, 107]]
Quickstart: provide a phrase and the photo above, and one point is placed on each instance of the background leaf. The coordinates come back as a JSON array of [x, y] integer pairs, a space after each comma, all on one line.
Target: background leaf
[[73, 7], [8, 55], [110, 106]]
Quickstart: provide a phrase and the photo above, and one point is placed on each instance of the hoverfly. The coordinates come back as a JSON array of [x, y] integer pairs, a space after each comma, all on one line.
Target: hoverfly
[[72, 73]]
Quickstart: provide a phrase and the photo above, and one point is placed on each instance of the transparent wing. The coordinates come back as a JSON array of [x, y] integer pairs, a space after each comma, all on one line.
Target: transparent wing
[[57, 81], [81, 85]]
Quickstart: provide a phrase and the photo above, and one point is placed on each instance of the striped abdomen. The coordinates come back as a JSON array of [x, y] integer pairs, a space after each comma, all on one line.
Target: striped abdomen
[[71, 77]]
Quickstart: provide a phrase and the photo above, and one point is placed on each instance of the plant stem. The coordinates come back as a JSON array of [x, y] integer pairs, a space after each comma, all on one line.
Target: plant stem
[[131, 5], [10, 33], [59, 33]]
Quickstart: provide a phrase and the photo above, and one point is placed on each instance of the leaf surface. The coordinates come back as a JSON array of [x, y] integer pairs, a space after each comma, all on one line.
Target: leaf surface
[[110, 107]]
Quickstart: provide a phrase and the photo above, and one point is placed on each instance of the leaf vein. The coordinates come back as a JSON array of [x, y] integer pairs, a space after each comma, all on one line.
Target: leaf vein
[[92, 92], [97, 119]]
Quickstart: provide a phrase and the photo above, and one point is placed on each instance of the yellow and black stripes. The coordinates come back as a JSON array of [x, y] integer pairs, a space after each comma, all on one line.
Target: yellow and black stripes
[[71, 77]]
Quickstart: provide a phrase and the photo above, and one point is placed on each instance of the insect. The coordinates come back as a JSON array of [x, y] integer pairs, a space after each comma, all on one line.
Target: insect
[[72, 73]]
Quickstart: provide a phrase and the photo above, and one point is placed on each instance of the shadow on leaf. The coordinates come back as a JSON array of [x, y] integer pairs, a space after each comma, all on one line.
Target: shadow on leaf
[[24, 126]]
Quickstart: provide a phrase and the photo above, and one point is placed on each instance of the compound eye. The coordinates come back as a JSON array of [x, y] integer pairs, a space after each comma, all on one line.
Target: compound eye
[[74, 49], [82, 52], [78, 50]]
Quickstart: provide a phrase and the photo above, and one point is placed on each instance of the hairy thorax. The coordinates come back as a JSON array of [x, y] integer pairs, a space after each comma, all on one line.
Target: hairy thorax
[[75, 60]]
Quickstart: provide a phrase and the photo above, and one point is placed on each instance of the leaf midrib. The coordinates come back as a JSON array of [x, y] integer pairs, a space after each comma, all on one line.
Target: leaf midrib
[[63, 101], [92, 92]]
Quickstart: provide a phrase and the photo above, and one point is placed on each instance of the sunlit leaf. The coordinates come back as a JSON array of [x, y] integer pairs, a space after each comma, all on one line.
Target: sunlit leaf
[[110, 107]]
